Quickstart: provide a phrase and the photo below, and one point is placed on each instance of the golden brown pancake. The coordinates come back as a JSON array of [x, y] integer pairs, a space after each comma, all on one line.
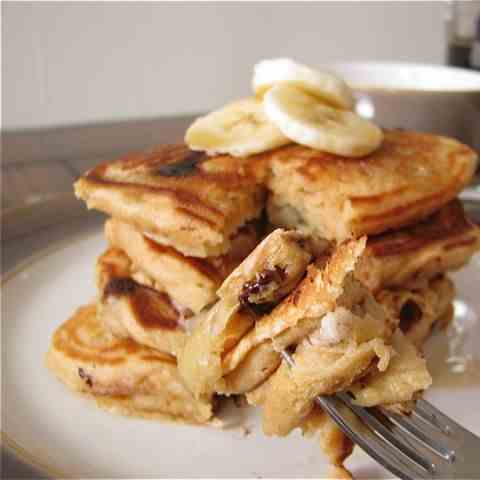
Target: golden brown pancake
[[189, 281], [177, 197], [405, 377], [333, 442], [444, 241], [123, 376], [410, 176], [270, 271], [267, 275], [420, 307], [325, 364], [323, 289], [347, 349], [129, 309]]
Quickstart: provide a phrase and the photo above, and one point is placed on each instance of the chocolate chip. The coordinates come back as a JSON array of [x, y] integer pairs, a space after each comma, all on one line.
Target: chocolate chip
[[255, 287], [186, 166], [119, 286], [409, 315], [84, 376], [262, 280]]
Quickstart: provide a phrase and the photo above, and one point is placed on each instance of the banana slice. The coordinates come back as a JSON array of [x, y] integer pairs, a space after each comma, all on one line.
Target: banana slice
[[305, 120], [324, 85], [240, 129]]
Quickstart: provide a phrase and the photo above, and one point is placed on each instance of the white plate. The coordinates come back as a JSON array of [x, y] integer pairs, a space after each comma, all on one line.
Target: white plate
[[66, 435]]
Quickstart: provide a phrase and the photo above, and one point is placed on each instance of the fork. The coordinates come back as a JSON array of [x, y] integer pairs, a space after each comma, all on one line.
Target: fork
[[425, 444]]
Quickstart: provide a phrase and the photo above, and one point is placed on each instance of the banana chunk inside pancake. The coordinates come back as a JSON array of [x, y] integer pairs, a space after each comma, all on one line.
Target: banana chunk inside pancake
[[258, 283], [270, 272], [300, 313], [123, 376], [177, 197], [191, 282], [129, 309]]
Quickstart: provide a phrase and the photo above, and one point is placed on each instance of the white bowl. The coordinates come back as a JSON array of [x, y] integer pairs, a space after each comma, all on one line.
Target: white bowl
[[430, 98]]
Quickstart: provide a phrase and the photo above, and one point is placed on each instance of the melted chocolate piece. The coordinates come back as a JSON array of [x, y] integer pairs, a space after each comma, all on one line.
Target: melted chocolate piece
[[183, 168], [409, 315], [119, 286], [86, 377], [255, 287], [259, 309], [154, 310]]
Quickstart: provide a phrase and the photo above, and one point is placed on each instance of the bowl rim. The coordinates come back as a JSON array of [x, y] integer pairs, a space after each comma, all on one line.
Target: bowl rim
[[405, 76]]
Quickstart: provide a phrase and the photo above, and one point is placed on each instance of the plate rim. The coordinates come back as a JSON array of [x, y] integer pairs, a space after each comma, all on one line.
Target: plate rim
[[8, 443]]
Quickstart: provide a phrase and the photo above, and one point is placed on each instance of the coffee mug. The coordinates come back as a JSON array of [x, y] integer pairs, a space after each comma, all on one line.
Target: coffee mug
[[427, 98]]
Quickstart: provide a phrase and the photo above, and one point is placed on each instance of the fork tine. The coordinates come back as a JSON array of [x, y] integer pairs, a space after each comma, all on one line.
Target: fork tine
[[392, 434], [434, 416], [421, 431], [370, 441]]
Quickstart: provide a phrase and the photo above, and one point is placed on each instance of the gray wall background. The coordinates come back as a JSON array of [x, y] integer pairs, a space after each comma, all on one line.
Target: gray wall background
[[79, 62]]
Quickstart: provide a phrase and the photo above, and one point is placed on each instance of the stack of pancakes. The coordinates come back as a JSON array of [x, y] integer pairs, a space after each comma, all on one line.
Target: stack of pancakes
[[217, 264], [123, 349]]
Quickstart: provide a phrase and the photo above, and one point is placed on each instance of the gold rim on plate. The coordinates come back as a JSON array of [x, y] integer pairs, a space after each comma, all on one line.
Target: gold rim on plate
[[20, 453]]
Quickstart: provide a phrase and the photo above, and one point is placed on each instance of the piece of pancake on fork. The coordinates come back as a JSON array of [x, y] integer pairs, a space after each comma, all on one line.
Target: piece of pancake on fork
[[266, 276], [177, 197]]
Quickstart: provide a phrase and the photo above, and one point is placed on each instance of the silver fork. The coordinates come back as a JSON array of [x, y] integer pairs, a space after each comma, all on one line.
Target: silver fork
[[424, 444]]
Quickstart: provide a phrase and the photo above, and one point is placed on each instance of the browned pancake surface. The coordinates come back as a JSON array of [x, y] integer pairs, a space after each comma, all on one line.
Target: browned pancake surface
[[129, 309], [410, 176], [443, 242], [190, 281], [123, 376], [177, 196]]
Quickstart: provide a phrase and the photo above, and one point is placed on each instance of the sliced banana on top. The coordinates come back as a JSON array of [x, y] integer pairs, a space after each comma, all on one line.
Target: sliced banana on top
[[324, 85], [305, 120], [240, 129]]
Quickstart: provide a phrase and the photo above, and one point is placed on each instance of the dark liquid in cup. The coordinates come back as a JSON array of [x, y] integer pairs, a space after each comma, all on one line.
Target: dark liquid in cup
[[458, 54]]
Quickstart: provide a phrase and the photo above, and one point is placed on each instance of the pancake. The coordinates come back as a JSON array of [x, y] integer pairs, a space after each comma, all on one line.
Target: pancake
[[325, 287], [177, 197], [324, 367], [409, 177], [129, 309], [443, 242], [189, 281], [123, 376], [351, 336], [419, 308], [403, 380], [268, 274], [333, 442], [406, 375]]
